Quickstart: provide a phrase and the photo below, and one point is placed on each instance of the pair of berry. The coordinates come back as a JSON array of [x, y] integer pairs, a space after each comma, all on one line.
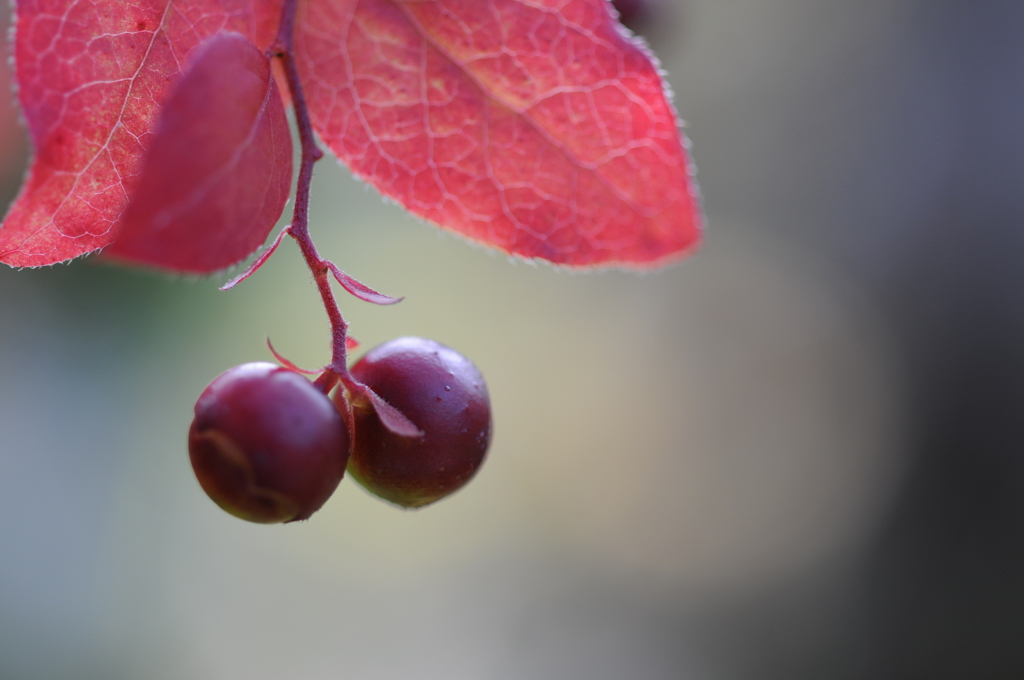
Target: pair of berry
[[267, 445]]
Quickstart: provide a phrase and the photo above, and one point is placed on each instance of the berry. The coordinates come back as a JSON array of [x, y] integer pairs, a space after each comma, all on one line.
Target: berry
[[266, 444], [445, 396]]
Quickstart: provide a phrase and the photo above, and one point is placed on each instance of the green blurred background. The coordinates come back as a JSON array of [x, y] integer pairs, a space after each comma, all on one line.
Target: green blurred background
[[796, 455]]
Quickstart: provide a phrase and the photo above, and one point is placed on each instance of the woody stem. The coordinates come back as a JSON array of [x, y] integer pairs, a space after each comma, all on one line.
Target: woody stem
[[284, 49]]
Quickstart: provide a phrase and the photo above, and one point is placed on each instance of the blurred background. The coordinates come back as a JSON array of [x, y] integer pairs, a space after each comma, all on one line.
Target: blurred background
[[799, 454]]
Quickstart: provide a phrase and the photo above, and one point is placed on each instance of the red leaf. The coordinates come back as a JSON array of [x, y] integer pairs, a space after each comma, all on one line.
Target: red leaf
[[536, 127], [218, 172], [92, 76]]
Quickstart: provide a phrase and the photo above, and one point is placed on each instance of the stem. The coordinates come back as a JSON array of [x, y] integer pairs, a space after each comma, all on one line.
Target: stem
[[284, 49], [336, 371]]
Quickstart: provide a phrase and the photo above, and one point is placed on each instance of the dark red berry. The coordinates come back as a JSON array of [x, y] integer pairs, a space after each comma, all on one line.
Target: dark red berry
[[445, 396], [266, 444]]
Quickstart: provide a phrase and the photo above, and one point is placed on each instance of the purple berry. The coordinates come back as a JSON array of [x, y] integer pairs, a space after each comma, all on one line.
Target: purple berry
[[445, 396], [266, 444]]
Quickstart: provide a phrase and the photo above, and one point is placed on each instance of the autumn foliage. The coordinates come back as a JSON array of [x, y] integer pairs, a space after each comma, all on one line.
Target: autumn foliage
[[538, 127]]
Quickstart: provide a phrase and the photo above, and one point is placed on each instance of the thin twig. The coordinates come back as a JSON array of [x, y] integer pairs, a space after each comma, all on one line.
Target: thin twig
[[284, 49]]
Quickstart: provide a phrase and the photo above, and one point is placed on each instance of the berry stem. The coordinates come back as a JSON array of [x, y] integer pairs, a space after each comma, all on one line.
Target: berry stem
[[284, 49]]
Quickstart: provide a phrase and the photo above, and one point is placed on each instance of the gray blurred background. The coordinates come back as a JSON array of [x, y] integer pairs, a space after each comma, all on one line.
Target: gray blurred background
[[799, 454]]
